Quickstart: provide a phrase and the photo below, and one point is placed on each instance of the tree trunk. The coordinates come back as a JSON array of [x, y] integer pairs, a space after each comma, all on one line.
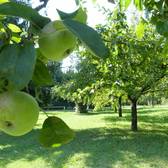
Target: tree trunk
[[134, 126], [115, 109], [152, 101], [120, 106], [80, 108]]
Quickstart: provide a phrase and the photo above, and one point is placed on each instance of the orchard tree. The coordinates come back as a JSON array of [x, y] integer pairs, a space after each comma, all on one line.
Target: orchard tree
[[104, 94], [76, 88], [155, 12], [101, 97], [24, 53], [136, 64]]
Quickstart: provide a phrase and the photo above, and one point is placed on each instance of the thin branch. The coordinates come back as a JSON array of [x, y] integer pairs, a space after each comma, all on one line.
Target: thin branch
[[38, 8], [44, 112], [157, 90]]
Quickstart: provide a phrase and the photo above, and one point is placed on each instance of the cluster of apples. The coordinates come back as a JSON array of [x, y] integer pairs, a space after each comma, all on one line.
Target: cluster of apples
[[18, 110]]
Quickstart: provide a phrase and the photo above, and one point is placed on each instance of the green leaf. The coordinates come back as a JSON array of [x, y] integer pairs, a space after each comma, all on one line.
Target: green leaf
[[160, 6], [17, 65], [14, 28], [41, 76], [55, 132], [64, 15], [79, 15], [127, 3], [8, 58], [40, 56], [77, 2], [88, 36], [23, 11], [16, 38], [124, 4], [162, 28], [138, 4], [140, 28], [3, 1]]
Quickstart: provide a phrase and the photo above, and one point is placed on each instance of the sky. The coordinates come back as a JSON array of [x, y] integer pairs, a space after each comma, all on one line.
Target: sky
[[94, 16]]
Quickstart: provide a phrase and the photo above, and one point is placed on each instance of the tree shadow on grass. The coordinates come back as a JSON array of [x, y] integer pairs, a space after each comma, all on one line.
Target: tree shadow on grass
[[144, 115], [154, 120], [101, 147], [98, 113], [152, 110]]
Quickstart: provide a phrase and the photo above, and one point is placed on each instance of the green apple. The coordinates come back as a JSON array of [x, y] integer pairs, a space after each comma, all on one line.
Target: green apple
[[18, 113], [81, 16], [55, 41]]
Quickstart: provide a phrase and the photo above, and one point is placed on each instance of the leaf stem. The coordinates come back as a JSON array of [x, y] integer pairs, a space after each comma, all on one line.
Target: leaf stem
[[44, 112]]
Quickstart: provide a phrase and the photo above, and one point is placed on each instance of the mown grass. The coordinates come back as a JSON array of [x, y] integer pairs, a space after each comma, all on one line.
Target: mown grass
[[103, 140]]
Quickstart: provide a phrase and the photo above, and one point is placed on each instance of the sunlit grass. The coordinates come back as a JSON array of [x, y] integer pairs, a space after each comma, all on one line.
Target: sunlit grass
[[103, 140]]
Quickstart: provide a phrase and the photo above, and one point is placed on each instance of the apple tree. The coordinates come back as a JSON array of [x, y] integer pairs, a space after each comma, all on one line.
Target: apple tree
[[24, 53], [155, 12], [136, 64], [76, 88]]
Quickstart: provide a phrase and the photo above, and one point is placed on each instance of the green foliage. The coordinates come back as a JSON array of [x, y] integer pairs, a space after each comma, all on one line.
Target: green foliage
[[55, 132], [124, 4], [41, 76], [17, 61], [23, 11], [136, 65], [79, 15], [14, 28], [89, 38], [77, 88], [101, 98], [140, 28], [157, 10]]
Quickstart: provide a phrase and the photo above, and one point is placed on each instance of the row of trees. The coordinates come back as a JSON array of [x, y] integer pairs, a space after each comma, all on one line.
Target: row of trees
[[137, 65]]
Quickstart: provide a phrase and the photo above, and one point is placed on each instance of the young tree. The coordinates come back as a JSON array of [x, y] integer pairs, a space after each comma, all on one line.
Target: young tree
[[137, 65], [155, 11], [76, 88]]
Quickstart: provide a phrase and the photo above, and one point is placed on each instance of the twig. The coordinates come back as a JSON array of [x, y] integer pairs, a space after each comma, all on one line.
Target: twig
[[38, 8], [44, 112]]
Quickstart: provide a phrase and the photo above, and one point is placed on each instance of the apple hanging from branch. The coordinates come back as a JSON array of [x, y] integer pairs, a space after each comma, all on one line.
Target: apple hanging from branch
[[18, 113], [56, 42]]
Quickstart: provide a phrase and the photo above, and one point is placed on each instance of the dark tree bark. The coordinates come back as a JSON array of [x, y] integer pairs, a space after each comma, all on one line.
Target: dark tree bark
[[38, 8], [120, 106], [152, 101], [115, 109], [80, 108], [134, 125]]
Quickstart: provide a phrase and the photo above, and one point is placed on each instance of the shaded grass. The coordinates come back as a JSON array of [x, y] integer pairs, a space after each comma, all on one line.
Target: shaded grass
[[102, 141]]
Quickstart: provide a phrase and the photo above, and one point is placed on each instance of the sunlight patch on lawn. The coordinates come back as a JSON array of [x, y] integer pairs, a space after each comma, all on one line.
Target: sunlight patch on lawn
[[22, 163], [77, 161]]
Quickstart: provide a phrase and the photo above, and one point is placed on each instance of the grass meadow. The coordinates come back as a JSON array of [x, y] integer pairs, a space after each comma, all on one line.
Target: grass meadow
[[103, 140]]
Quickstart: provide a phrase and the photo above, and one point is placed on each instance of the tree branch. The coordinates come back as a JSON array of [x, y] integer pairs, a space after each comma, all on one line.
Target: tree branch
[[38, 8]]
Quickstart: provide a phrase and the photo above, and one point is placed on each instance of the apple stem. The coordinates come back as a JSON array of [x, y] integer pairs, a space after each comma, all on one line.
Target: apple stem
[[44, 112]]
